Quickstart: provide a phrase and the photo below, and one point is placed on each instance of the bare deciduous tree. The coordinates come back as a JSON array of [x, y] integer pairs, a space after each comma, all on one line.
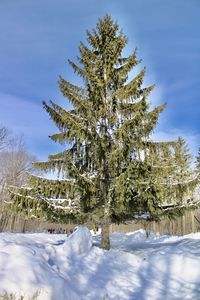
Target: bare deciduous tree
[[4, 137], [15, 162]]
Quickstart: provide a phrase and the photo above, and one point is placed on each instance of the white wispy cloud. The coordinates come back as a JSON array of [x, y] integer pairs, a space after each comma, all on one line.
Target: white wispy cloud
[[25, 117]]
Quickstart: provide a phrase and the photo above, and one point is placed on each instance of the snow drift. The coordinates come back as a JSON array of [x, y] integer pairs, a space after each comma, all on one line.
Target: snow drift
[[30, 267], [53, 267]]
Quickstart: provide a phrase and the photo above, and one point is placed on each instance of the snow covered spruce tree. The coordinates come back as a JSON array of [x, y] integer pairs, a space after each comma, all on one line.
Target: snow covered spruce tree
[[111, 169], [198, 160], [173, 163]]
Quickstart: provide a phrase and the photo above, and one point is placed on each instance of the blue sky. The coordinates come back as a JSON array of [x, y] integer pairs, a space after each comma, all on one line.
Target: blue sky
[[38, 36]]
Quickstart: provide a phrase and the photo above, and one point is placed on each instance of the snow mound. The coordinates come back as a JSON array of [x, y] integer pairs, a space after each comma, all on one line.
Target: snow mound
[[79, 242], [31, 266], [138, 235]]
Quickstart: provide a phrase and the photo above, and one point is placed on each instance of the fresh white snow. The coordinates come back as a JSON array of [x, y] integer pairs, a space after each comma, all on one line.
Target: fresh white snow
[[56, 267]]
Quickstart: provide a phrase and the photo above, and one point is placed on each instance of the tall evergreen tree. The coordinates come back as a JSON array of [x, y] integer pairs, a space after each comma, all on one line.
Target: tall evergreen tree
[[198, 160], [112, 170], [179, 178]]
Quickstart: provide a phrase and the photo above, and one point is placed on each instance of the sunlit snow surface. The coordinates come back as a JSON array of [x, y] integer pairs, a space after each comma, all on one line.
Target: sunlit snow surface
[[59, 268]]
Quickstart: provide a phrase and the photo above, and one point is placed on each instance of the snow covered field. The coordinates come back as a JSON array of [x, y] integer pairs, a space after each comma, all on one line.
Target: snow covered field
[[58, 268]]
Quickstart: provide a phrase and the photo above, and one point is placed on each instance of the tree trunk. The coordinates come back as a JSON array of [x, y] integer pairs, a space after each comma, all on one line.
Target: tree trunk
[[105, 238]]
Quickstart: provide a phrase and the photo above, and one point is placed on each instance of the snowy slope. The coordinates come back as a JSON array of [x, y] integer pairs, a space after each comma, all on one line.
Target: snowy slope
[[56, 267]]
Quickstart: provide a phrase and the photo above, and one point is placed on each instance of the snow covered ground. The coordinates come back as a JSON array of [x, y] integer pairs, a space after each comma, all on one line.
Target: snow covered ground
[[58, 268]]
